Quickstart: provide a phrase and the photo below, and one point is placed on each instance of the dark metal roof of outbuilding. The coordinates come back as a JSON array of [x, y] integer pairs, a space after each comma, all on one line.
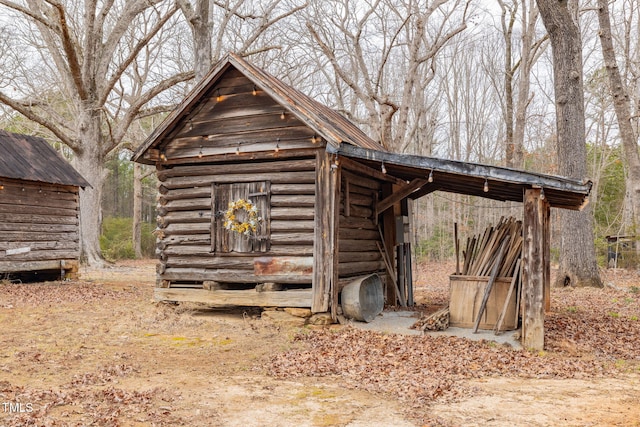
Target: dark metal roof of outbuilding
[[502, 183], [31, 158]]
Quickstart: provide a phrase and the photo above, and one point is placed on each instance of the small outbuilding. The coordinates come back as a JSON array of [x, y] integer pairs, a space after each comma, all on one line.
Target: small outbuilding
[[269, 198], [39, 210]]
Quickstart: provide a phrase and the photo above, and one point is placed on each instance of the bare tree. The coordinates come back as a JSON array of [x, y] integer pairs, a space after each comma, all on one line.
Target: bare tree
[[90, 51], [577, 250], [622, 106], [240, 26], [516, 105], [371, 43]]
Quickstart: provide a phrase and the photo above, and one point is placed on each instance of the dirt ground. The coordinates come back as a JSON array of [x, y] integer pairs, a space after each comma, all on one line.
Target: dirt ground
[[99, 351]]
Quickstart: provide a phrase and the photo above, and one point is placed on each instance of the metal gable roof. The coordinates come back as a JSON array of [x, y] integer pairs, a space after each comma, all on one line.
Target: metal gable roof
[[31, 158], [326, 122]]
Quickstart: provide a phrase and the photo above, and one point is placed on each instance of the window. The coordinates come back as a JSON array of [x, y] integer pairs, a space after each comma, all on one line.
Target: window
[[224, 240]]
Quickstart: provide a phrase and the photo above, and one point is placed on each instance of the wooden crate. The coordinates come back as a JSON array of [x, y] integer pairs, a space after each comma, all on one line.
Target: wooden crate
[[465, 297]]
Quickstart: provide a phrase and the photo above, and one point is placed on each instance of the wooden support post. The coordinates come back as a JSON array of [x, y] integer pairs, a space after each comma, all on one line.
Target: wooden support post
[[546, 262], [389, 225], [535, 268], [325, 272]]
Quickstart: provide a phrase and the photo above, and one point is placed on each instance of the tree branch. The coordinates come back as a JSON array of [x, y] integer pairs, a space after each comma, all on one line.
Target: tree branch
[[142, 43], [30, 114], [134, 108], [268, 23], [29, 13], [131, 10], [69, 47]]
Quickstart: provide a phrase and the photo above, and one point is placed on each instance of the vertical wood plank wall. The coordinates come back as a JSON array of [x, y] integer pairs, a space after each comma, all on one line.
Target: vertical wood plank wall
[[39, 223]]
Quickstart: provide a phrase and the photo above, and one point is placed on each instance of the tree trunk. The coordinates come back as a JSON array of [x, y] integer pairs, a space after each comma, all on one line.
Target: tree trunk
[[201, 31], [528, 57], [89, 162], [622, 107], [578, 265], [137, 210], [201, 28], [507, 32]]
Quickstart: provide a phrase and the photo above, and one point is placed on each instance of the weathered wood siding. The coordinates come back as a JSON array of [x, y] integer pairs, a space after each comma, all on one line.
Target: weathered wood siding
[[38, 226], [185, 224], [238, 136], [237, 118], [359, 235]]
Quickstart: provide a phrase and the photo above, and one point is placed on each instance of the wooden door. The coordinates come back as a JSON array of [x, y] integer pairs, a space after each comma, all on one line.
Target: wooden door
[[227, 234]]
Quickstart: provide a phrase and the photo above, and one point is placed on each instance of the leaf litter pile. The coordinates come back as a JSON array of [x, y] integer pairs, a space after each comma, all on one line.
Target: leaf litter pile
[[64, 351], [92, 396], [590, 333]]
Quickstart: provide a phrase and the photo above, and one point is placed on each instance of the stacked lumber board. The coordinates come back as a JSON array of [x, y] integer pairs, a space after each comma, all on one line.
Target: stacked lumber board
[[482, 251], [438, 321]]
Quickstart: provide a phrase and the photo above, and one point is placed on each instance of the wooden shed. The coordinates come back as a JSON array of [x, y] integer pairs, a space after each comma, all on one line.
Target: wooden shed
[[39, 209], [332, 204]]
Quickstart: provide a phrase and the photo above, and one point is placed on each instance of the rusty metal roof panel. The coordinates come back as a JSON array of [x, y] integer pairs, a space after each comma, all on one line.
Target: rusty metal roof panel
[[31, 158]]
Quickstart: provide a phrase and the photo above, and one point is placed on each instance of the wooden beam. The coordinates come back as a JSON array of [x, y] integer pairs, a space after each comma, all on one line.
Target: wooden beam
[[367, 171], [546, 261], [535, 268], [250, 298], [396, 196], [469, 169], [334, 230], [389, 239], [325, 233], [24, 266], [229, 275]]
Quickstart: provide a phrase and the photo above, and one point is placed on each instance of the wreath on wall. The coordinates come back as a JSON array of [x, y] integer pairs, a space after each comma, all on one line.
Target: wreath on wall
[[231, 221]]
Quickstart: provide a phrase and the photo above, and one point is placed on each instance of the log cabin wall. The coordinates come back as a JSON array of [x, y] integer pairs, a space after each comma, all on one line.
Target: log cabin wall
[[188, 222], [237, 143], [38, 227], [359, 235]]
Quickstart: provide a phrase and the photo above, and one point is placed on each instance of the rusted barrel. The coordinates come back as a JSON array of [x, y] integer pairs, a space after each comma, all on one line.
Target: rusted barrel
[[363, 298]]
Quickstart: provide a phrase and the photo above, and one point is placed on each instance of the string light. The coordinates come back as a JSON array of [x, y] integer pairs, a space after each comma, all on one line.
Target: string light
[[314, 139], [383, 168], [430, 179], [163, 156], [1, 186], [336, 160], [486, 186], [238, 149], [200, 153], [219, 96], [282, 116], [277, 145], [542, 196], [255, 91]]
